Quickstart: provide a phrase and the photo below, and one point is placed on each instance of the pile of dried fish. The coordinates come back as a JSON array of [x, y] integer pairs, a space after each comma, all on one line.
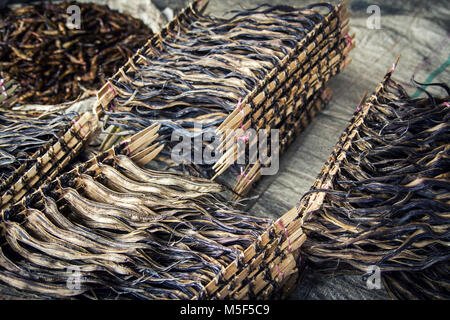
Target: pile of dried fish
[[383, 197], [52, 61], [202, 69], [113, 230]]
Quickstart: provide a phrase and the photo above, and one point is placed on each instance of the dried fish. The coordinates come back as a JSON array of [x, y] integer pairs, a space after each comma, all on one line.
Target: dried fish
[[386, 195], [53, 62], [150, 243], [195, 75], [23, 137]]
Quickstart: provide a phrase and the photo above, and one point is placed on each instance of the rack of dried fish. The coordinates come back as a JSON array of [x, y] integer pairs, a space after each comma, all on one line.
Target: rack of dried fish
[[36, 148], [110, 229], [264, 68], [267, 269], [55, 57], [382, 198], [215, 251]]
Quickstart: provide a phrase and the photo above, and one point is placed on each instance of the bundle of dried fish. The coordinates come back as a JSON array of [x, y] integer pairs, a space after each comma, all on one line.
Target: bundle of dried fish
[[202, 73], [36, 149], [430, 283], [53, 61], [382, 199], [269, 267], [112, 230], [23, 136]]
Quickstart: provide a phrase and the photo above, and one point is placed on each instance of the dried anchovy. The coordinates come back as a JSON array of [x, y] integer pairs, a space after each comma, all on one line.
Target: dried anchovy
[[165, 242], [388, 204], [51, 62], [199, 76]]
